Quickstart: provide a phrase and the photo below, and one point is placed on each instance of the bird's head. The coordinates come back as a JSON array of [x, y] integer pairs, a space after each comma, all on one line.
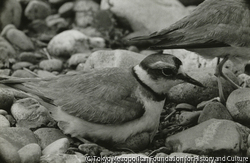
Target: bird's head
[[161, 72]]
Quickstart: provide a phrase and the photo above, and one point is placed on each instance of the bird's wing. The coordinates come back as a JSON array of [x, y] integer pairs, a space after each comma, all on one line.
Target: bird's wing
[[210, 12], [221, 35], [104, 96]]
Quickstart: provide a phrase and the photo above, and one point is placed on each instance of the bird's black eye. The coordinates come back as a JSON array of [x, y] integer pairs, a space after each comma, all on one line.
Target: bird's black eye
[[168, 72]]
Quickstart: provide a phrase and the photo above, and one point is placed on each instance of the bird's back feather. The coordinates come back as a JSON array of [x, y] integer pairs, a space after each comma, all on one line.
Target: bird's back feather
[[103, 96]]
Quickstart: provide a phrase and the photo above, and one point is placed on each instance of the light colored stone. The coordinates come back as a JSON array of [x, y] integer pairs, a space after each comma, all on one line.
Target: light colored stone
[[78, 58], [60, 146], [64, 158], [220, 137], [188, 118], [30, 153], [3, 112], [17, 38], [112, 58], [68, 43], [30, 114], [145, 14], [214, 110], [66, 9], [17, 136], [47, 136], [23, 74], [8, 152], [45, 74], [37, 10], [51, 65], [21, 65], [4, 122], [5, 46], [238, 104], [84, 12]]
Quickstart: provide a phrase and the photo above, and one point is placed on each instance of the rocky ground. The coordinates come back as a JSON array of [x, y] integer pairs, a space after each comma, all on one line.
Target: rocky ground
[[46, 38]]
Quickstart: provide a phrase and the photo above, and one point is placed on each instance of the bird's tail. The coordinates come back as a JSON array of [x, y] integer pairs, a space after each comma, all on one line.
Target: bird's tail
[[21, 85]]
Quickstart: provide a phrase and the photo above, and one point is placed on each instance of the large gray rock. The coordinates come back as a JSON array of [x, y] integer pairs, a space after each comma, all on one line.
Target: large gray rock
[[212, 137], [18, 137], [214, 110], [188, 93], [143, 15], [238, 104], [47, 136]]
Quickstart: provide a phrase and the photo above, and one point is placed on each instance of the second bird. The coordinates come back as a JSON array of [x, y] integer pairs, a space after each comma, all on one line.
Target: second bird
[[216, 28]]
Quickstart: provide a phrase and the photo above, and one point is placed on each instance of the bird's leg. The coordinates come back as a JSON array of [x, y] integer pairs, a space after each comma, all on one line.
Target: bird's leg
[[220, 73]]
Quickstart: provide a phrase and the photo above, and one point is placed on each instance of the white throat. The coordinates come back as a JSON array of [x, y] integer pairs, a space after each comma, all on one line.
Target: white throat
[[160, 85]]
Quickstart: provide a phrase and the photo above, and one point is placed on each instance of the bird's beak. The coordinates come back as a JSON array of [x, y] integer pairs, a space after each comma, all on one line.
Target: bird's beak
[[183, 76]]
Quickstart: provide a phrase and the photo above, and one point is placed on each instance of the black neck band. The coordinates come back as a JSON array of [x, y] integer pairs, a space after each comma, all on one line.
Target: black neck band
[[156, 96]]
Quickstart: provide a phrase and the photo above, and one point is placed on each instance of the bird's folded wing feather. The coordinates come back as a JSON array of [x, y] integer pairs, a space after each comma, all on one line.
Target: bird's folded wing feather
[[104, 96], [211, 13], [221, 35]]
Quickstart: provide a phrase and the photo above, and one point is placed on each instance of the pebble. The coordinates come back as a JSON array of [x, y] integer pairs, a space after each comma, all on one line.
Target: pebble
[[78, 58], [188, 118], [8, 152], [6, 99], [112, 58], [4, 122], [84, 12], [56, 21], [214, 110], [11, 119], [21, 65], [17, 38], [238, 104], [223, 136], [66, 10], [30, 114], [184, 106], [37, 10], [143, 18], [191, 94], [30, 153], [97, 42], [5, 46], [23, 74], [10, 14], [60, 146], [47, 136], [17, 136], [5, 72], [51, 65], [45, 74], [63, 158], [3, 112], [30, 57], [68, 43]]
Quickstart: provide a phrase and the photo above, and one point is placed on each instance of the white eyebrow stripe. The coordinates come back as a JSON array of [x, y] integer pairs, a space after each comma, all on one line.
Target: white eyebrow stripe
[[161, 64]]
